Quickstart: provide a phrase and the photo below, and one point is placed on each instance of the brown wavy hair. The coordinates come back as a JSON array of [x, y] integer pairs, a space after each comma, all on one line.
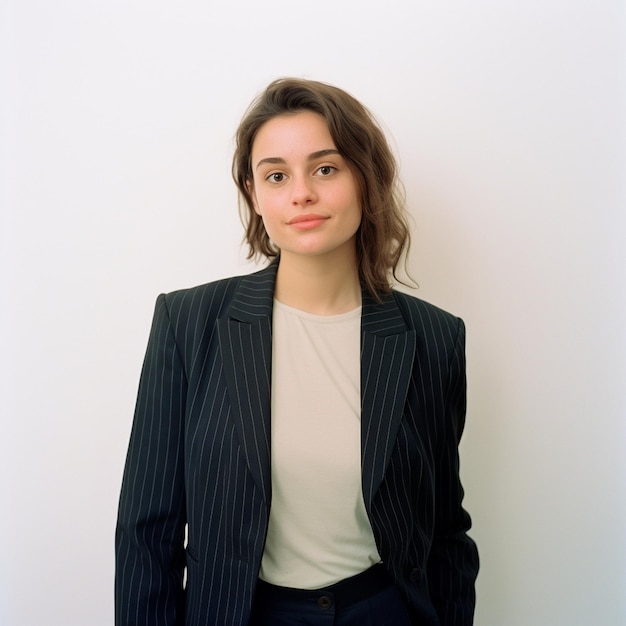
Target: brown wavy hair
[[383, 237]]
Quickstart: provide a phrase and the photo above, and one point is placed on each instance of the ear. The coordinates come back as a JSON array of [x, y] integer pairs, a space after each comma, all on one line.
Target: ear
[[250, 188]]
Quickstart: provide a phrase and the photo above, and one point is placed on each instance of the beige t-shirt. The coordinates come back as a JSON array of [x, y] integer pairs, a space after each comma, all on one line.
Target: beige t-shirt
[[319, 532]]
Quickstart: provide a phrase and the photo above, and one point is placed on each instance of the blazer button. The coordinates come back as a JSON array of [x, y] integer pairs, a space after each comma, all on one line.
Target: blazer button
[[324, 603], [415, 575]]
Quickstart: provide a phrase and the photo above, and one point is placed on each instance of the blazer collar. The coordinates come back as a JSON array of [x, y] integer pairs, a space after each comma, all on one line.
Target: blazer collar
[[254, 298]]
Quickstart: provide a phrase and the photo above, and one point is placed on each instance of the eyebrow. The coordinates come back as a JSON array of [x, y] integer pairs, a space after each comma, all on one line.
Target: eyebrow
[[312, 157]]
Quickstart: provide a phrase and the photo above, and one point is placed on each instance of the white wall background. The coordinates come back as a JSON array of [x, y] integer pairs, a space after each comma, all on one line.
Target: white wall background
[[509, 120]]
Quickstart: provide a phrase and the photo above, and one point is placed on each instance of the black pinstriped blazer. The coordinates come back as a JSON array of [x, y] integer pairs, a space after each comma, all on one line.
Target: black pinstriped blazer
[[199, 454]]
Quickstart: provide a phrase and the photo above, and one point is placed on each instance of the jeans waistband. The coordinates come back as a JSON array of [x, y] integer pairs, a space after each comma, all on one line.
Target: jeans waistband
[[343, 593]]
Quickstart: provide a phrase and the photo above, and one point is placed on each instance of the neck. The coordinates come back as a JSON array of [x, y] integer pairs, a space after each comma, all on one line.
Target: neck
[[318, 285]]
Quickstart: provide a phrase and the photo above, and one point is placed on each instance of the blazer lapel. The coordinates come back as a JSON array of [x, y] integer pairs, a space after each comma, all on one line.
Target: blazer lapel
[[387, 355], [245, 336]]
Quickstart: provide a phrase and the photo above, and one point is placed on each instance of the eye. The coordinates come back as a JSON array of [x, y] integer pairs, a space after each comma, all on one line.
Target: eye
[[327, 170], [275, 177]]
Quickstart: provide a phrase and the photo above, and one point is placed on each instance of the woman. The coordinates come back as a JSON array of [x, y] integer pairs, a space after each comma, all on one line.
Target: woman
[[302, 422]]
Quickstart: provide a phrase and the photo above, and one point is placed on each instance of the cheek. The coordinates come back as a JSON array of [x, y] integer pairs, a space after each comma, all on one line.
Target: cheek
[[260, 203], [268, 203], [351, 195], [352, 200]]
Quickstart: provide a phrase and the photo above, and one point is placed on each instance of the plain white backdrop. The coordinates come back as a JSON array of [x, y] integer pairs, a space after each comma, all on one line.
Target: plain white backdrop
[[508, 119]]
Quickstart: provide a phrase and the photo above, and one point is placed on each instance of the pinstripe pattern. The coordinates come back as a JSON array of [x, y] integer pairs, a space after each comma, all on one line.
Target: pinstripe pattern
[[199, 454]]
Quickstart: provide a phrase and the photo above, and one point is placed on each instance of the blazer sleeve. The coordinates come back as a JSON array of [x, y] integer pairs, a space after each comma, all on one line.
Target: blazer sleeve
[[453, 562], [149, 538]]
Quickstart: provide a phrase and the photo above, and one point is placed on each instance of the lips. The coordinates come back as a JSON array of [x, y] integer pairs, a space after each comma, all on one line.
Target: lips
[[307, 222], [301, 219]]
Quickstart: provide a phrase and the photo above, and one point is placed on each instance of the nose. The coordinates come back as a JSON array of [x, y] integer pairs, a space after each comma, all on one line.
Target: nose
[[303, 192]]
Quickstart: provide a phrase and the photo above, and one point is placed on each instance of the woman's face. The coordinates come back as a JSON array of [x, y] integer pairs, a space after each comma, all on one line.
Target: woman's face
[[303, 188]]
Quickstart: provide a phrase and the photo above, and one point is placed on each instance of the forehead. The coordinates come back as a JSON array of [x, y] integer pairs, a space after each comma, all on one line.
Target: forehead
[[290, 133]]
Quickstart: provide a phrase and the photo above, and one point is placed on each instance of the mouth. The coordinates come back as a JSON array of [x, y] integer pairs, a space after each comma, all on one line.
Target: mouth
[[305, 222]]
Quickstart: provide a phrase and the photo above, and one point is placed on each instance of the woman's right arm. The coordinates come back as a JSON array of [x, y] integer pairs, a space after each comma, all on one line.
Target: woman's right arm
[[149, 541]]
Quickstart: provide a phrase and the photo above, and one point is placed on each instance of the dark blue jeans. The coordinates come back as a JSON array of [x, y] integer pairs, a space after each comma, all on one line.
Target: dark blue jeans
[[368, 599]]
